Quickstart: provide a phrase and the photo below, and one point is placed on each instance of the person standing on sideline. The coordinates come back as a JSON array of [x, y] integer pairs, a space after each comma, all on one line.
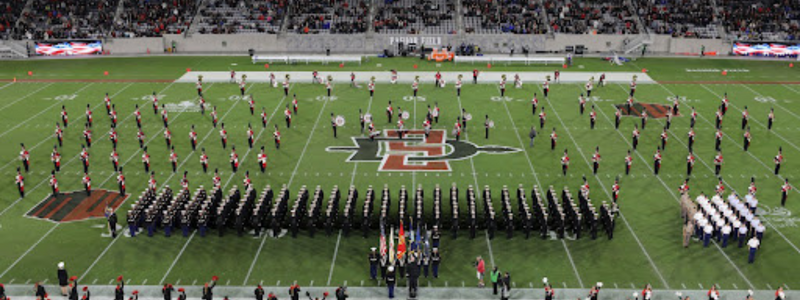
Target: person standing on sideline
[[480, 268], [390, 281], [532, 135], [494, 276], [63, 278]]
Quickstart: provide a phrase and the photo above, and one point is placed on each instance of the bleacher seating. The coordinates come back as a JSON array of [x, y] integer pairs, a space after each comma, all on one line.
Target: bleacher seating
[[593, 17], [152, 18], [416, 17], [70, 19], [679, 18], [504, 16], [258, 16], [9, 13]]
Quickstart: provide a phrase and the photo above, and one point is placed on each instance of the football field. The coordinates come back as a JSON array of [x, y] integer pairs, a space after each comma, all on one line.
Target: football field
[[647, 242]]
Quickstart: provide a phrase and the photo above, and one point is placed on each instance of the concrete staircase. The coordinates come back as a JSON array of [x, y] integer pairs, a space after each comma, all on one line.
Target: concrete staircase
[[13, 50]]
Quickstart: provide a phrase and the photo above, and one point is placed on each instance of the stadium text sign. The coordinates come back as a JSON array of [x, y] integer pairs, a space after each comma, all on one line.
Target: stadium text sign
[[419, 40], [414, 151]]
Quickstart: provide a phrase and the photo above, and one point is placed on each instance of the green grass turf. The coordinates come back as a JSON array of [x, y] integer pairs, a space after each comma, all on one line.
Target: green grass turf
[[645, 249]]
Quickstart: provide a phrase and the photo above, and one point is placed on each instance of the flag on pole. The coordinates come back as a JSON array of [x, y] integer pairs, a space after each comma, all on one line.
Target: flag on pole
[[383, 249], [401, 244], [391, 246], [418, 240]]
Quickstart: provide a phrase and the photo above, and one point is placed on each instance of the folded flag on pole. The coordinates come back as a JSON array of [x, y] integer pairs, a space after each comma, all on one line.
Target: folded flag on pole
[[391, 246]]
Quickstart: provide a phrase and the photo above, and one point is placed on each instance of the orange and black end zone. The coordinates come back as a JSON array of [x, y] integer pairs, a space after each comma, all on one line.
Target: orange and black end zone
[[653, 110], [76, 206]]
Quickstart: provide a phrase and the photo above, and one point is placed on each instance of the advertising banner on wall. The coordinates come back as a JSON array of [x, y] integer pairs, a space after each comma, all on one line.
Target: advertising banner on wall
[[69, 48], [766, 49]]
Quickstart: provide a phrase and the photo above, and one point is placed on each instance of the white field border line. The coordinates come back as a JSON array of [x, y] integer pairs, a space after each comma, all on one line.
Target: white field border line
[[754, 119], [224, 187], [678, 201], [46, 178], [748, 152], [44, 110], [58, 224], [249, 271], [478, 189], [289, 184], [766, 167], [26, 96], [5, 86], [796, 92], [50, 135], [353, 180], [135, 154], [776, 103], [603, 186], [28, 251], [539, 183]]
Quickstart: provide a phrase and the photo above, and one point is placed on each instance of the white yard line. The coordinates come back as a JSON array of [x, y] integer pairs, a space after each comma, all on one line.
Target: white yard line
[[539, 183], [291, 178], [757, 160], [47, 177], [136, 154], [335, 252], [666, 187], [28, 251], [50, 136], [183, 249], [352, 181], [753, 119], [56, 103], [26, 96], [478, 189]]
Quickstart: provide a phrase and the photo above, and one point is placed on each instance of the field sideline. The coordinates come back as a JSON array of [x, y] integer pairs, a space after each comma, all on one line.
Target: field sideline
[[645, 249]]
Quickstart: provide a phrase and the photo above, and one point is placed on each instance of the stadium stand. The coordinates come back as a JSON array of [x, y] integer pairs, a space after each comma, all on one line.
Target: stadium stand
[[220, 17], [68, 19], [680, 18], [9, 13], [596, 17], [416, 17], [310, 16], [760, 20], [153, 18], [505, 16]]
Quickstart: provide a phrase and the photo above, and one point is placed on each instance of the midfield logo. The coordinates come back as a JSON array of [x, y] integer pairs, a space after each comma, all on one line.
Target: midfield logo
[[415, 152]]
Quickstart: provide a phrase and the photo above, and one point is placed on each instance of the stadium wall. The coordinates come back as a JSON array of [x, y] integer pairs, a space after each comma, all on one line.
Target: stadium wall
[[364, 44]]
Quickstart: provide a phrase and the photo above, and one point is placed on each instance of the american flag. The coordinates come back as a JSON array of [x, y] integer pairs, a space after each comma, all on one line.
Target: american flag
[[69, 48]]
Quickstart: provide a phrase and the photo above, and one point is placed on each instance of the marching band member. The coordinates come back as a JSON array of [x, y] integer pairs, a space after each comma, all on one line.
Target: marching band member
[[553, 139], [155, 104], [59, 134], [534, 104], [747, 139], [745, 117], [288, 116], [250, 137], [25, 157], [234, 159], [785, 188], [778, 160], [542, 118], [628, 162], [55, 157], [582, 103], [389, 112], [64, 116], [193, 138], [657, 161], [770, 118], [146, 160], [502, 85], [20, 181], [223, 134], [286, 86], [85, 159], [263, 117], [596, 160], [276, 135], [415, 86], [564, 163], [204, 160], [635, 137], [173, 159], [546, 87], [262, 160], [718, 160], [141, 137], [371, 86], [89, 119], [114, 157], [689, 163], [252, 103], [87, 183]]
